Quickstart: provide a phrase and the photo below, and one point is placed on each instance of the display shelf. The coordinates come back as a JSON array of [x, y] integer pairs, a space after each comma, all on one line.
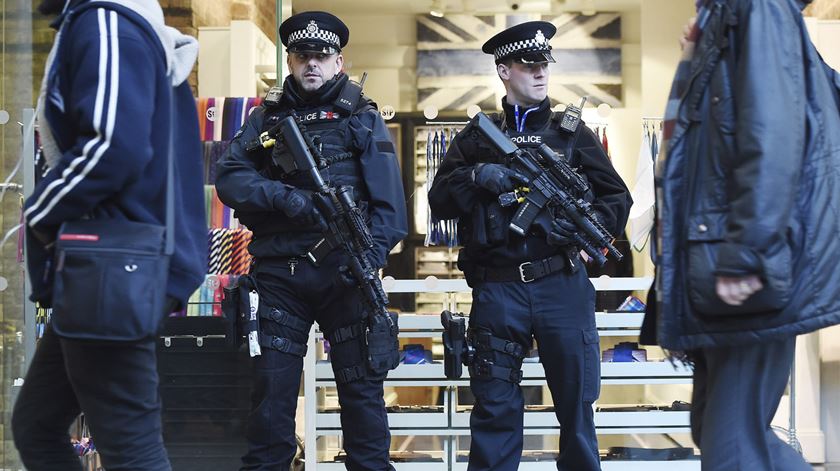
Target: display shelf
[[603, 420], [396, 420], [603, 283], [632, 373], [419, 466], [683, 465], [452, 422]]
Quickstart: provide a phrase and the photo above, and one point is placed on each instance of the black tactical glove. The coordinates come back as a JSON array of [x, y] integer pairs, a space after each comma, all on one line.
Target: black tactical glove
[[562, 232], [345, 275], [297, 204], [497, 178]]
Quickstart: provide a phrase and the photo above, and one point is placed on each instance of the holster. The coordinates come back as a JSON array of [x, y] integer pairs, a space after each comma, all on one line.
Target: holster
[[236, 308], [456, 348]]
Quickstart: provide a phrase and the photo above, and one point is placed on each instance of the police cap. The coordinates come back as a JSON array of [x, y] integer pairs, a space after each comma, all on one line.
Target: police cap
[[314, 31], [525, 42]]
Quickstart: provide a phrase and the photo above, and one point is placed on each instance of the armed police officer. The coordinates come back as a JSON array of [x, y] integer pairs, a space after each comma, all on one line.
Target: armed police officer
[[532, 285], [355, 150]]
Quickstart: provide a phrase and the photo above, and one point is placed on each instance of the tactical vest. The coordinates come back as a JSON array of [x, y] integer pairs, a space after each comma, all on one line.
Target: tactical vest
[[328, 127], [559, 140], [487, 229]]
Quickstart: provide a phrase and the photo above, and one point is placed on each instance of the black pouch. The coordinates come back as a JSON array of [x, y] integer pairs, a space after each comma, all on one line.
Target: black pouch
[[383, 345], [497, 222], [110, 280]]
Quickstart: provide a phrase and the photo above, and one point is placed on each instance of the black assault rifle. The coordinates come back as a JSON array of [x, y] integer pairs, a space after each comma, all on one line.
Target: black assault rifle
[[347, 229], [553, 188]]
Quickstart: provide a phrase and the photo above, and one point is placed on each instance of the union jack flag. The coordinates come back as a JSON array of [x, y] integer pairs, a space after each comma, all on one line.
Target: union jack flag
[[453, 73], [329, 115]]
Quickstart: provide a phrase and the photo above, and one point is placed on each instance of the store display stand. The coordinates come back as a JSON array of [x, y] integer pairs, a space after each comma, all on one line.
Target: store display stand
[[449, 423]]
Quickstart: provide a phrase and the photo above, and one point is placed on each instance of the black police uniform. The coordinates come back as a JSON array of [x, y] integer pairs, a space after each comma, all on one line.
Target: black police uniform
[[357, 151], [550, 298]]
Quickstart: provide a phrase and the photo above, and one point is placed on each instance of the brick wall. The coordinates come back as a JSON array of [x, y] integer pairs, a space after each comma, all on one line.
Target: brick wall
[[189, 15]]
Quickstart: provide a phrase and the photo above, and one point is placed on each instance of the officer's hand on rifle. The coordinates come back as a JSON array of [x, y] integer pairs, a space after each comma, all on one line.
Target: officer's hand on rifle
[[497, 178], [562, 232], [297, 204], [345, 275]]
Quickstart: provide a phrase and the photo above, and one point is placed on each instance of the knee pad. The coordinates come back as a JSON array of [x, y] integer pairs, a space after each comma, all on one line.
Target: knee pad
[[488, 347]]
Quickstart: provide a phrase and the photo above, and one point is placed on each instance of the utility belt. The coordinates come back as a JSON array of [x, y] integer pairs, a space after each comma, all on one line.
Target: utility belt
[[525, 272]]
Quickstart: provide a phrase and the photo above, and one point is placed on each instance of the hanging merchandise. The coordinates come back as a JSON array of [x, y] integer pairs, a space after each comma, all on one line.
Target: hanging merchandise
[[228, 249], [225, 252], [605, 142], [218, 214], [428, 240], [207, 299], [213, 152], [452, 241], [435, 155], [654, 144], [644, 198], [220, 117], [443, 226], [438, 232]]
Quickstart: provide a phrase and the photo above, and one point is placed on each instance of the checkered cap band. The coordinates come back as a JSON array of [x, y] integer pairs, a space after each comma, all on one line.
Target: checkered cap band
[[531, 45], [320, 34]]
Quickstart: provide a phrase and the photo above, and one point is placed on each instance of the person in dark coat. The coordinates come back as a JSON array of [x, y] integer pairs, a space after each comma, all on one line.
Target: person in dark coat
[[747, 230]]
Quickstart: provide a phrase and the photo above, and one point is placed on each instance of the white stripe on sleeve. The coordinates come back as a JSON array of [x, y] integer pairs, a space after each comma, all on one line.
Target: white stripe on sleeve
[[108, 47]]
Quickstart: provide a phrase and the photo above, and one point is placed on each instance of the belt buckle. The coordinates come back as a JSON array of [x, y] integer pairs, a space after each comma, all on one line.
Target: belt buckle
[[522, 276]]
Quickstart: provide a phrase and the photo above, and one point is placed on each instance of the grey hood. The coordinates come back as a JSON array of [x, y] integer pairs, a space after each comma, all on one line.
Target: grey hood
[[181, 49]]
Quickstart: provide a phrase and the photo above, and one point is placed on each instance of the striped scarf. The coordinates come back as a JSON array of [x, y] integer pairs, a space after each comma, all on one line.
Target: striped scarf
[[682, 76]]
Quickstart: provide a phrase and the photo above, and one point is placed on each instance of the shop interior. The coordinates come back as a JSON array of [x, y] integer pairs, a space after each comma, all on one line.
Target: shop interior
[[421, 64]]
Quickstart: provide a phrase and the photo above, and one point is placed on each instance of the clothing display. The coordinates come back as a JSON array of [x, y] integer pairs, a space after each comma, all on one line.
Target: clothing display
[[220, 117], [399, 457], [624, 352], [219, 215], [438, 232], [413, 409], [642, 213], [560, 377], [413, 354], [228, 250], [648, 454], [676, 406], [213, 152], [632, 304]]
